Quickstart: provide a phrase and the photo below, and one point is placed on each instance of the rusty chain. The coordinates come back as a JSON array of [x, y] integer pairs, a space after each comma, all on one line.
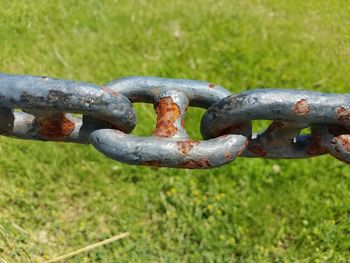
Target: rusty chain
[[41, 108]]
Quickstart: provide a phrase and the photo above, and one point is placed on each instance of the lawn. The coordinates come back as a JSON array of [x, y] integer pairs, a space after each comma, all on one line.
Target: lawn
[[57, 197]]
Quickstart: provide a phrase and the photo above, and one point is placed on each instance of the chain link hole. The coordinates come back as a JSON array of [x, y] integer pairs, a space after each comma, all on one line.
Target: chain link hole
[[146, 119], [259, 126], [305, 131], [192, 122]]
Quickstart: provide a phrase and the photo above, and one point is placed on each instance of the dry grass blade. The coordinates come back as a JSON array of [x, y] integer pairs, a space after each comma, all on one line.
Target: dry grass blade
[[88, 248]]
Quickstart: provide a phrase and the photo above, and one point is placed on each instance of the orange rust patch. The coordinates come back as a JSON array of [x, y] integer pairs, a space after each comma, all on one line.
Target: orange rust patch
[[343, 114], [301, 107], [192, 164], [344, 141], [167, 113], [257, 149], [109, 91], [211, 85], [55, 127], [186, 146]]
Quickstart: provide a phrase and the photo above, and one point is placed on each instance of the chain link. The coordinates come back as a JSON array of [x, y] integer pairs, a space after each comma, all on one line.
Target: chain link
[[42, 108]]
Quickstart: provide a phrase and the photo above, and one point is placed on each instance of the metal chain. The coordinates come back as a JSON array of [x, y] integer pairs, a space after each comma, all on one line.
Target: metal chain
[[108, 117]]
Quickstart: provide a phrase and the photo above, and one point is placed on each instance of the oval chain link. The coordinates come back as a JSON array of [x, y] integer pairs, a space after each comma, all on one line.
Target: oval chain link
[[45, 102], [170, 145], [290, 110]]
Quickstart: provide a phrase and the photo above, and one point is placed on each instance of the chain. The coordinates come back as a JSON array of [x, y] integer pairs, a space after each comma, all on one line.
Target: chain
[[42, 108]]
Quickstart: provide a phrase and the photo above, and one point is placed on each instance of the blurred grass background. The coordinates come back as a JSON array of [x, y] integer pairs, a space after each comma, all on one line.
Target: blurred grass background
[[58, 197]]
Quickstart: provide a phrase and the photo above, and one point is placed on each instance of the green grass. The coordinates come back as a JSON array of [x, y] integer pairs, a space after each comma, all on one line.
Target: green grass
[[58, 197]]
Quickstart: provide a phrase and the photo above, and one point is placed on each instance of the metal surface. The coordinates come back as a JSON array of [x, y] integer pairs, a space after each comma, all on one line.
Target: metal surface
[[169, 146], [335, 139], [48, 107], [46, 101], [291, 111]]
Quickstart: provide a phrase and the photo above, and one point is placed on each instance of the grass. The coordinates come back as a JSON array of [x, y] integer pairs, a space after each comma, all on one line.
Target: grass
[[55, 198]]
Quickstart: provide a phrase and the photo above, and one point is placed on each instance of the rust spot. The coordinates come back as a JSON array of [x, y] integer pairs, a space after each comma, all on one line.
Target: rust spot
[[315, 148], [167, 113], [344, 141], [341, 137], [186, 146], [183, 123], [301, 107], [257, 149], [193, 164], [343, 114], [109, 91], [55, 127], [155, 163], [211, 85], [228, 155]]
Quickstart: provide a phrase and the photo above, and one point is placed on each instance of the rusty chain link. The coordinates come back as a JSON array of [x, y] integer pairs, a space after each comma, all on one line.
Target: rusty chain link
[[41, 108]]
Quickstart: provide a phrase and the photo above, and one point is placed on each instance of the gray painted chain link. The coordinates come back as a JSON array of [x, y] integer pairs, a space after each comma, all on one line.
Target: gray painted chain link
[[108, 117]]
